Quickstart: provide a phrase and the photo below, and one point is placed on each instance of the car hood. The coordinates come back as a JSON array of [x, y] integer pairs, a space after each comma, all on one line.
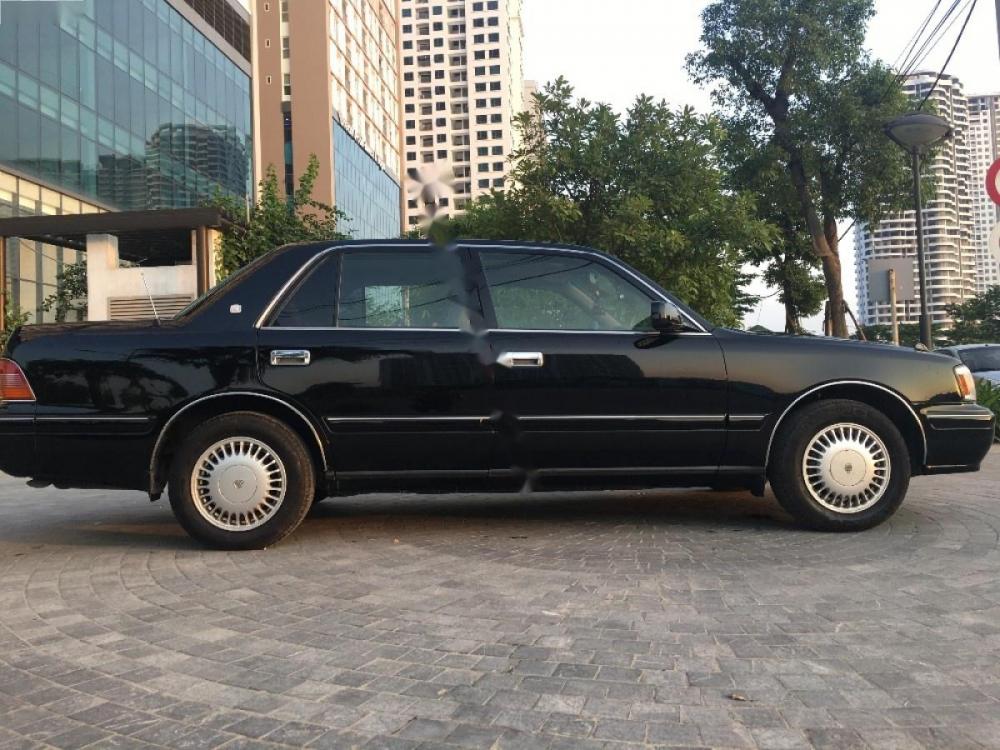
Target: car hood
[[991, 375], [831, 344]]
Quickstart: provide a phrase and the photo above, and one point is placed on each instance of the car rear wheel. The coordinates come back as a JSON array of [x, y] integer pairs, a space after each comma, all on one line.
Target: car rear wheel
[[840, 465], [241, 481]]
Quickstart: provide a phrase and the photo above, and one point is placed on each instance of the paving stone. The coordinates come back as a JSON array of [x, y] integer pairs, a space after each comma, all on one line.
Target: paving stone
[[597, 620]]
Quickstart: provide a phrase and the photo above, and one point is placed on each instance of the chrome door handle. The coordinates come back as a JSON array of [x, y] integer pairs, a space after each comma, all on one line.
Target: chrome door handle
[[290, 357], [521, 359]]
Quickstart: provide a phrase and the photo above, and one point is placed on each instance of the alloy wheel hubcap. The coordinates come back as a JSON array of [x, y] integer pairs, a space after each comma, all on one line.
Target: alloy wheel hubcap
[[238, 484], [846, 468]]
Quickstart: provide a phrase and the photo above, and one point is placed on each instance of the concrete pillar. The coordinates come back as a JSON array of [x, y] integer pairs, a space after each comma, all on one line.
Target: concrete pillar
[[214, 240], [202, 251], [102, 260]]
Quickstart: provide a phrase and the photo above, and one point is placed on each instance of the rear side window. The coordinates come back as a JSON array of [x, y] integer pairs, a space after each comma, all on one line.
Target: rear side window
[[313, 304], [405, 289], [542, 292]]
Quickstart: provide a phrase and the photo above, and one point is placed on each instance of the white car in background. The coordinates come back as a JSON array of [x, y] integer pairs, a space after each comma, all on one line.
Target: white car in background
[[982, 359]]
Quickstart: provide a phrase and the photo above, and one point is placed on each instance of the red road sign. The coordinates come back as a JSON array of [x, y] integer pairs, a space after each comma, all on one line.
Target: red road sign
[[991, 181]]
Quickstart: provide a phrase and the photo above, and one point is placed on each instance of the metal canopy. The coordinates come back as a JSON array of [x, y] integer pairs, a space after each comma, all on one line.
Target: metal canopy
[[71, 230]]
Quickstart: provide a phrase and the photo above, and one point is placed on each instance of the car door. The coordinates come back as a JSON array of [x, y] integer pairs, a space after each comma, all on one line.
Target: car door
[[375, 341], [583, 385]]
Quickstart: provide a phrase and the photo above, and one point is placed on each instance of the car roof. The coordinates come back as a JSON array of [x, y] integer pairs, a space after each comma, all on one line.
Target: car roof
[[498, 244]]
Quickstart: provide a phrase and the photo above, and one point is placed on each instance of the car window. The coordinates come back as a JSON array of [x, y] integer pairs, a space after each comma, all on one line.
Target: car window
[[406, 289], [562, 293], [986, 359], [313, 304]]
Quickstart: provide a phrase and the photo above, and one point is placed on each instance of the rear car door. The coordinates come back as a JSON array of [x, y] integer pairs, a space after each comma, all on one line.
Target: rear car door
[[583, 384], [376, 342]]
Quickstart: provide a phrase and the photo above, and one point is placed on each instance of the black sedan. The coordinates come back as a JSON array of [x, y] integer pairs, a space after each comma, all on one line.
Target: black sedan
[[334, 369]]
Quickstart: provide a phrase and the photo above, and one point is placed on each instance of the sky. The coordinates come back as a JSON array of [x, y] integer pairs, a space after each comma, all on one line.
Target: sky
[[612, 51]]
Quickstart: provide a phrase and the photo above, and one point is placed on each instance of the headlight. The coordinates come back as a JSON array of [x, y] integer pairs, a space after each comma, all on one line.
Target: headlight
[[966, 383]]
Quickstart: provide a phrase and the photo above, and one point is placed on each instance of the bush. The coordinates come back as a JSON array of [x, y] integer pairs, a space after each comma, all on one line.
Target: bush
[[989, 396]]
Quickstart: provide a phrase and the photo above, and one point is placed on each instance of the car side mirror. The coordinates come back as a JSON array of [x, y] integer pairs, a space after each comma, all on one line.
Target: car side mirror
[[666, 317]]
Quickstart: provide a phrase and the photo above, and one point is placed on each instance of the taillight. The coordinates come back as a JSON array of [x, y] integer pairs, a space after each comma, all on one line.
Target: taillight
[[966, 383], [13, 385]]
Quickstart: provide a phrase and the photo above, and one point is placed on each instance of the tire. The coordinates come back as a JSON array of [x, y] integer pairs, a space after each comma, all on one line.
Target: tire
[[264, 466], [824, 491]]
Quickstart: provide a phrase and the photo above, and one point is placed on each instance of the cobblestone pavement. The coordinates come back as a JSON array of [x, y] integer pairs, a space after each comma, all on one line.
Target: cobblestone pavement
[[610, 620]]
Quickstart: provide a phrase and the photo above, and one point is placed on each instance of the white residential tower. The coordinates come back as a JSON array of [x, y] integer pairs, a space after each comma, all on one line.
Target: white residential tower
[[463, 84]]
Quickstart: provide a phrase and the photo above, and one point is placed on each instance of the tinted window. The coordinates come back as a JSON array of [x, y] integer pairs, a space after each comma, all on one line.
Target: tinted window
[[405, 289], [560, 292], [314, 303], [986, 359]]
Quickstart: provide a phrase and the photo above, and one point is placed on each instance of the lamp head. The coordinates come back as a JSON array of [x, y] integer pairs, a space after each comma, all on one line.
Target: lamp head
[[918, 131]]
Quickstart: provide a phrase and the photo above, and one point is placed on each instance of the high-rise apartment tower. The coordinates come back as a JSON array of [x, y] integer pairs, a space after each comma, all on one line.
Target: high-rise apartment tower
[[463, 84], [984, 147], [948, 220]]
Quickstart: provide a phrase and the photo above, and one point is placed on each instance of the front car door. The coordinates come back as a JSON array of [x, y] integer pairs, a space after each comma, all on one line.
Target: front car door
[[376, 342], [583, 385]]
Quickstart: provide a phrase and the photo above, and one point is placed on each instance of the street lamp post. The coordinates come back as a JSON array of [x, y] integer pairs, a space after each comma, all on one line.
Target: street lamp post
[[917, 132]]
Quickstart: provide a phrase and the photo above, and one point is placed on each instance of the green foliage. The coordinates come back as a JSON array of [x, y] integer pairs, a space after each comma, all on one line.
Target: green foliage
[[792, 77], [70, 296], [13, 319], [988, 395], [275, 220], [646, 187], [977, 321]]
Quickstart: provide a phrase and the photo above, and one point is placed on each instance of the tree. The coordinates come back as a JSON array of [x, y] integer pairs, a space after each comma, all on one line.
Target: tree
[[275, 220], [977, 321], [71, 292], [793, 75], [645, 187], [789, 263]]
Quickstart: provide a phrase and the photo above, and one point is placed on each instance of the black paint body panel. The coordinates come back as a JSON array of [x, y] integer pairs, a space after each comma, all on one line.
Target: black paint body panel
[[431, 408]]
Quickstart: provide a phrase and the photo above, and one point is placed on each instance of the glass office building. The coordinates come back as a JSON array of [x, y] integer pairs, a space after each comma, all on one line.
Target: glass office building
[[364, 191], [326, 85], [118, 105]]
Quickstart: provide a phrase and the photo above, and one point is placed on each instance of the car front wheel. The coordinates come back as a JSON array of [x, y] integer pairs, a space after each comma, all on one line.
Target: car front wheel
[[840, 465], [241, 481]]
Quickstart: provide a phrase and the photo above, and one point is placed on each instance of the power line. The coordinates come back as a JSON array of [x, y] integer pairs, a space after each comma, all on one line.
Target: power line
[[902, 61], [919, 53], [951, 54], [920, 46], [943, 33]]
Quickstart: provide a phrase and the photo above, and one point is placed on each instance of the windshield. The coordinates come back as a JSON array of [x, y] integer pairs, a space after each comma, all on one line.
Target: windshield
[[981, 360]]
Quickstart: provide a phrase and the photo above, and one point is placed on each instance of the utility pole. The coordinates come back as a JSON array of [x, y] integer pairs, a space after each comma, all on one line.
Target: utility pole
[[998, 21], [893, 300]]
